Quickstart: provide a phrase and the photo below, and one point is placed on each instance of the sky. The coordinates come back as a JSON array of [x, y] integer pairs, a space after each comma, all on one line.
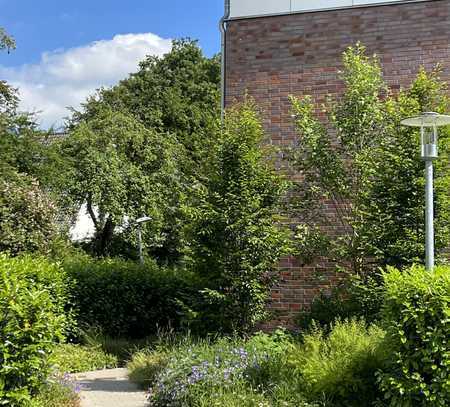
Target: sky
[[66, 49]]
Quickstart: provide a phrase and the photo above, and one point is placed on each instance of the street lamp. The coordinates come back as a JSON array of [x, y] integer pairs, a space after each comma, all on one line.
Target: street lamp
[[139, 222], [429, 123]]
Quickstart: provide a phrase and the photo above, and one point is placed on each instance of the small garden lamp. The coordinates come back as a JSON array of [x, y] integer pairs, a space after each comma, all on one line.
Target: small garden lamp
[[429, 123], [139, 222]]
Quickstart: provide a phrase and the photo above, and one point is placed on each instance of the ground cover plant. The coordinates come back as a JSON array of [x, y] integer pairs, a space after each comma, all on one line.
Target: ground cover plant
[[59, 390], [268, 370]]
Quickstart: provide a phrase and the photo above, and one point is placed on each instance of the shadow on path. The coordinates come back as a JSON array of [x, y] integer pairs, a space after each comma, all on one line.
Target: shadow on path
[[109, 388]]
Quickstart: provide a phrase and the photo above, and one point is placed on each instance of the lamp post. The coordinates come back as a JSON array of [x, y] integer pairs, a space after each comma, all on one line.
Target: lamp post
[[139, 222], [428, 123]]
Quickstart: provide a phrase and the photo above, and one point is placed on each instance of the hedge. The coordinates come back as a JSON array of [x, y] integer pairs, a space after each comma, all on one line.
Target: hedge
[[125, 299]]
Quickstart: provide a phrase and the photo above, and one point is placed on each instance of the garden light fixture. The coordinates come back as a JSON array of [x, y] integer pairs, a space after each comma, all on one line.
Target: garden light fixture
[[139, 222], [428, 123]]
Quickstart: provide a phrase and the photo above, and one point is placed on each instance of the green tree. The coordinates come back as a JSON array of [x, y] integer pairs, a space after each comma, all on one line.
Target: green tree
[[236, 233], [176, 99], [122, 171], [362, 173], [6, 41], [178, 93]]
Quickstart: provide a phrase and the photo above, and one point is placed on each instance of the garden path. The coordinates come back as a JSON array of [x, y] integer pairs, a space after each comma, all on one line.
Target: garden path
[[109, 388]]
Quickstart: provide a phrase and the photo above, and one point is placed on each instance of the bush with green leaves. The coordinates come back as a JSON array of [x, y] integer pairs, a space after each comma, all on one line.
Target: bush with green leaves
[[343, 364], [236, 233], [125, 299], [28, 217], [355, 297], [416, 314], [75, 358], [33, 296]]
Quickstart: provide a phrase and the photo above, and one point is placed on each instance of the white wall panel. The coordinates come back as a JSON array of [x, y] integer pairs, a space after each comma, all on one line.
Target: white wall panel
[[241, 8], [304, 5], [244, 8]]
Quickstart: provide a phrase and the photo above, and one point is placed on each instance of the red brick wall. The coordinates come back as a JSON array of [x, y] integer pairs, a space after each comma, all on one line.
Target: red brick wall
[[274, 57]]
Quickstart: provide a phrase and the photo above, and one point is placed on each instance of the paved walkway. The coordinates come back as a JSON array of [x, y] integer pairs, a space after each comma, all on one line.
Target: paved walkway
[[109, 388]]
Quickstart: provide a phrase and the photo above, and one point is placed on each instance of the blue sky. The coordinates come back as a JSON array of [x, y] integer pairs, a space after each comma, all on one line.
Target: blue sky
[[67, 49]]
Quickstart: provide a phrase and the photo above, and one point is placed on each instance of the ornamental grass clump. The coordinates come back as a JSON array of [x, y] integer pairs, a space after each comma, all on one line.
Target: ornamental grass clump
[[342, 366]]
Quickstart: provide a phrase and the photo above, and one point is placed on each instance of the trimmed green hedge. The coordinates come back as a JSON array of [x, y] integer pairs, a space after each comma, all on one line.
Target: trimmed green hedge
[[416, 314], [33, 295], [125, 299]]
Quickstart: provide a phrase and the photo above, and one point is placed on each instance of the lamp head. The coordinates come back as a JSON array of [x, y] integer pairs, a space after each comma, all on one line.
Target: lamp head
[[427, 119], [143, 219], [428, 123]]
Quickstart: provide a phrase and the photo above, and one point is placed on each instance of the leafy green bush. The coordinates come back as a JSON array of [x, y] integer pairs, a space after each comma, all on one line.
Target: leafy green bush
[[343, 365], [33, 294], [70, 358], [416, 313], [125, 299], [27, 216], [356, 297]]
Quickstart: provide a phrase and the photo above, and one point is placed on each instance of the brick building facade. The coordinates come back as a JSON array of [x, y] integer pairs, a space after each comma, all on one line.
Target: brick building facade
[[272, 57]]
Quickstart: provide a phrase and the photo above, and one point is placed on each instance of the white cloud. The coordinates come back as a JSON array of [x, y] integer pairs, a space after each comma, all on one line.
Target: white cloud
[[65, 78]]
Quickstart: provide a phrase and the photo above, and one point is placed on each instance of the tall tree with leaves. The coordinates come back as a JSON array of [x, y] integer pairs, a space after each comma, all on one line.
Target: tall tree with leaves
[[365, 167], [121, 171], [236, 233], [176, 99], [178, 93]]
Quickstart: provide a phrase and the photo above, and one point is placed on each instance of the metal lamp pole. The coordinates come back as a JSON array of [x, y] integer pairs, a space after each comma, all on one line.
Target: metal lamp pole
[[139, 222], [429, 123]]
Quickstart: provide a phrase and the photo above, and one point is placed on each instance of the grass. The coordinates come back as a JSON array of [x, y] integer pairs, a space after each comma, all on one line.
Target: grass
[[145, 365]]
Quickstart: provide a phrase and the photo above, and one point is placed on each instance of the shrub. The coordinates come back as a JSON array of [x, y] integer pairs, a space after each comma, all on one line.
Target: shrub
[[356, 297], [70, 358], [362, 163], [27, 217], [125, 299], [32, 299], [416, 313], [343, 365]]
